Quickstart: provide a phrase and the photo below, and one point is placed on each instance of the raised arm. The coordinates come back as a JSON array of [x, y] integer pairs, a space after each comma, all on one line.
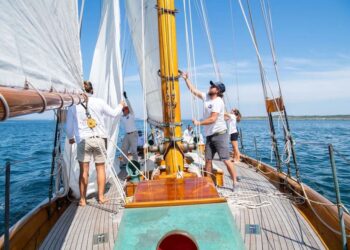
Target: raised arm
[[192, 88], [128, 104], [109, 111]]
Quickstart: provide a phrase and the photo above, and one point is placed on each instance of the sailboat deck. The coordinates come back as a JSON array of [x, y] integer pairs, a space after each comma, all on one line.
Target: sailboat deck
[[91, 227], [275, 225]]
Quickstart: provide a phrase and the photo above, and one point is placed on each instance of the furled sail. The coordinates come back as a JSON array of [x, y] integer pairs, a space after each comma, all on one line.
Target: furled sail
[[39, 42], [106, 77], [149, 58]]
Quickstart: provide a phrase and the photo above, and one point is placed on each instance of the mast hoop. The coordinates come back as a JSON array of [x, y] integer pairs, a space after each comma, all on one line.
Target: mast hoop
[[166, 11], [173, 139], [165, 124], [6, 108], [61, 97], [170, 78], [26, 86]]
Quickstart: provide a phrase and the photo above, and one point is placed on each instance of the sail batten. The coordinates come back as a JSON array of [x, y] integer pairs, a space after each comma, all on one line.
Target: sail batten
[[150, 60], [40, 43]]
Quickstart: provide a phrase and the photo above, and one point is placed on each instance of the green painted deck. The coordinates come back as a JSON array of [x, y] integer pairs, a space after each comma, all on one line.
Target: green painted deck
[[211, 225]]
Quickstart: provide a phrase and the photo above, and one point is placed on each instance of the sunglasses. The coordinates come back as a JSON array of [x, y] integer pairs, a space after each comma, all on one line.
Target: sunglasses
[[212, 94]]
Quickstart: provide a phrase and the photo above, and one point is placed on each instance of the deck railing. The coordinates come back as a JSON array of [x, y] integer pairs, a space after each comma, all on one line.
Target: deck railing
[[332, 153], [7, 215]]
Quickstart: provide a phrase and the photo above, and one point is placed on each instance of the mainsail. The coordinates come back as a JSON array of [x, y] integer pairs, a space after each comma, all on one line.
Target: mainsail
[[39, 43], [106, 77], [149, 58]]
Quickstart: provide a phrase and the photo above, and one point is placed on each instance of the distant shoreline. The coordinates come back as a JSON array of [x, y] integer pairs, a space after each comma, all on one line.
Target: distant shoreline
[[305, 117], [252, 118]]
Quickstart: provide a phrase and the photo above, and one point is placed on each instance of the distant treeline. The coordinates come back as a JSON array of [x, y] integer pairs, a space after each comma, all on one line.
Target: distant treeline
[[304, 117]]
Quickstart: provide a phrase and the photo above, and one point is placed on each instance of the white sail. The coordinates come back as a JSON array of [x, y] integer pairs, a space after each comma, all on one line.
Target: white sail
[[106, 77], [39, 42], [151, 83]]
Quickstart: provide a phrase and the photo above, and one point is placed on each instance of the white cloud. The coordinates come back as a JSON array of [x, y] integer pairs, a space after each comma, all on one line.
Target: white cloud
[[309, 86]]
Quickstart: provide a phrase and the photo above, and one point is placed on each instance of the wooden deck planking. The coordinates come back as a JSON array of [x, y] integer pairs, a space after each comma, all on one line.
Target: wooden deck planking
[[282, 226], [77, 226]]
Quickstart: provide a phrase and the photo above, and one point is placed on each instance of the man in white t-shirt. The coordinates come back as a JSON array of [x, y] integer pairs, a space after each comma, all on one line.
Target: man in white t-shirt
[[188, 134], [214, 125], [85, 126], [131, 136]]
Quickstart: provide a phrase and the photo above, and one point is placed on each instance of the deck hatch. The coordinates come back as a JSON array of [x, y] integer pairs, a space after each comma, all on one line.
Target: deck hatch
[[252, 229], [100, 238]]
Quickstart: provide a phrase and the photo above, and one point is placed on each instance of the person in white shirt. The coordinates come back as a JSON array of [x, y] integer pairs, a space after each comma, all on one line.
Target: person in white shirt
[[233, 118], [188, 134], [129, 143], [85, 126], [214, 125]]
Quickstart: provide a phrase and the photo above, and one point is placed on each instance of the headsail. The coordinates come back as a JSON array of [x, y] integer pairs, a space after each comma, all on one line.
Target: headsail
[[40, 43], [106, 77], [150, 59]]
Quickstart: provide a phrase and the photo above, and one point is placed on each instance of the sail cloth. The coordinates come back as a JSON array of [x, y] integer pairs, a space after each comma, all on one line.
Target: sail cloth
[[39, 42], [150, 58], [106, 77]]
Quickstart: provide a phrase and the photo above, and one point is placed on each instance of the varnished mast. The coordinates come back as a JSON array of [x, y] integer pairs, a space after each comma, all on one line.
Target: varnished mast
[[169, 74]]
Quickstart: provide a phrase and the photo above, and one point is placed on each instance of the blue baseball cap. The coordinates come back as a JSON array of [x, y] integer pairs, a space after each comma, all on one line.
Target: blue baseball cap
[[219, 85]]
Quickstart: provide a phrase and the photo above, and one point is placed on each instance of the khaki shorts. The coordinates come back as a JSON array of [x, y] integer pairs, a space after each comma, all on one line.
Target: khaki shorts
[[92, 148]]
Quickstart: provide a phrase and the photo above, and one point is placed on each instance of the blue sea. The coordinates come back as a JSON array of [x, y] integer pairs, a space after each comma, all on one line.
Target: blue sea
[[21, 140]]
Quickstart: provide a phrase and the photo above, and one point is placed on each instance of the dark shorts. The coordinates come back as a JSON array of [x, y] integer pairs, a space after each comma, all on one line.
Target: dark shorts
[[234, 136], [217, 144]]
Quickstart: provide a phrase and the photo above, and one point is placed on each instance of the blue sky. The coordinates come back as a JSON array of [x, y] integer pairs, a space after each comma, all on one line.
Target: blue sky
[[312, 40]]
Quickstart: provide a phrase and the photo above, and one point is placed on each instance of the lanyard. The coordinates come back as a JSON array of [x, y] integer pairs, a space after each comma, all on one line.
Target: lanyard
[[91, 123]]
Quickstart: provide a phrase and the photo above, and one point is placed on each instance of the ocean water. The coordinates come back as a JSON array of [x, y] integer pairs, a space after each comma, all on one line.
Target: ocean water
[[21, 140]]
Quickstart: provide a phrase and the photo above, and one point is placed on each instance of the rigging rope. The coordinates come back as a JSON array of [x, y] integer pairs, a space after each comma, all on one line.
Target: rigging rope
[[145, 131], [211, 46], [234, 61], [190, 49], [264, 79]]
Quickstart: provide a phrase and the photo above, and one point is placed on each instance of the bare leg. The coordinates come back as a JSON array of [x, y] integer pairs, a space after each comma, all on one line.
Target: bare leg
[[209, 169], [83, 181], [231, 170], [237, 155], [101, 181], [233, 150]]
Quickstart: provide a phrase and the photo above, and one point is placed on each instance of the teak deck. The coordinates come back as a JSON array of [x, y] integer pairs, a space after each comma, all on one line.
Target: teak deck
[[79, 227], [281, 225]]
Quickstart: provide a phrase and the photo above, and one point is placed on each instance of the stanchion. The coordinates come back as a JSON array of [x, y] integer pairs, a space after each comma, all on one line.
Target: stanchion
[[7, 205], [337, 192]]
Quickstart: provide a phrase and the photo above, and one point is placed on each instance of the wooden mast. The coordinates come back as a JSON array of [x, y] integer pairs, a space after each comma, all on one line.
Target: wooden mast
[[169, 74]]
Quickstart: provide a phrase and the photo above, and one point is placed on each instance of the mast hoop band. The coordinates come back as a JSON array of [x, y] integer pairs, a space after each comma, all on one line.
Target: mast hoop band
[[173, 139], [166, 11], [6, 108], [26, 86], [165, 124], [170, 78], [61, 97]]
